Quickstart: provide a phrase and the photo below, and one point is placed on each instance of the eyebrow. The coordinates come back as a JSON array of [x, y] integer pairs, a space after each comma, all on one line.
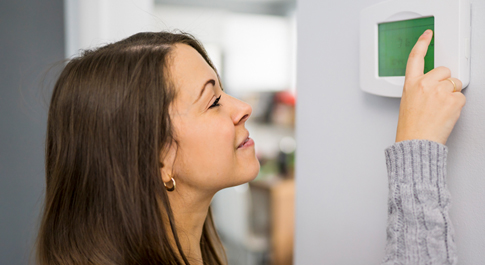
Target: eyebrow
[[210, 81]]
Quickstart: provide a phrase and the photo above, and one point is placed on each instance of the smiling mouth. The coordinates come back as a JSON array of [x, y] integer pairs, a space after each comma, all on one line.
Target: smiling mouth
[[242, 144], [246, 144]]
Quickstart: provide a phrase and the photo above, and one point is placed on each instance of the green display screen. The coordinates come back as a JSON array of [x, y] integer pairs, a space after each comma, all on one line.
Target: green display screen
[[397, 39]]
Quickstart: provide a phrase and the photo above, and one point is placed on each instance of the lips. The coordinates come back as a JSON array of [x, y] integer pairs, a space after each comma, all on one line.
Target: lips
[[244, 141]]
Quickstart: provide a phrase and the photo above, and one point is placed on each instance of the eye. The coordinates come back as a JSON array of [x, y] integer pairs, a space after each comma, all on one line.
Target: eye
[[216, 103]]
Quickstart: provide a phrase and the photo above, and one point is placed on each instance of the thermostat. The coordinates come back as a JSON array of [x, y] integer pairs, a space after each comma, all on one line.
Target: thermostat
[[389, 30]]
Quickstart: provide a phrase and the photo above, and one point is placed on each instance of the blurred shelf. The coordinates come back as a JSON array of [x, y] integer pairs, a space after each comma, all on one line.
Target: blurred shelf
[[273, 216]]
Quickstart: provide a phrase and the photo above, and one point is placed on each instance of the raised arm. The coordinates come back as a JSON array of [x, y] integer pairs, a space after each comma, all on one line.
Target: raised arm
[[419, 229]]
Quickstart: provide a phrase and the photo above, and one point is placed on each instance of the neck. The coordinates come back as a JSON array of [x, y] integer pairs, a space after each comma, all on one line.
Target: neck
[[190, 212]]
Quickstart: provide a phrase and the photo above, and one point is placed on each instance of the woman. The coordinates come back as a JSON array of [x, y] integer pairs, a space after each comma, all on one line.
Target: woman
[[419, 228], [141, 136]]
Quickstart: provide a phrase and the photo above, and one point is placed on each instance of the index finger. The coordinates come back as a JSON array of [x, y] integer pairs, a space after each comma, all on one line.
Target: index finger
[[415, 65]]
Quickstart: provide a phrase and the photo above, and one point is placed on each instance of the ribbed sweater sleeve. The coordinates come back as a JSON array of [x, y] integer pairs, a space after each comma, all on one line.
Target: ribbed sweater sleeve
[[419, 229]]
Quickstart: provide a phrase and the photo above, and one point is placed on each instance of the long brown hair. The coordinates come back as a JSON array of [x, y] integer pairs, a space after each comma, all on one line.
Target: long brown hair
[[108, 123]]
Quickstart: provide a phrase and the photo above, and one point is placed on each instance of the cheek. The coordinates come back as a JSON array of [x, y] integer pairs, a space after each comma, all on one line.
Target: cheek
[[208, 153]]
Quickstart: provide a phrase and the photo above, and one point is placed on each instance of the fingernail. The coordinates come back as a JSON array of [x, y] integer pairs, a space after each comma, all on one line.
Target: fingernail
[[427, 32]]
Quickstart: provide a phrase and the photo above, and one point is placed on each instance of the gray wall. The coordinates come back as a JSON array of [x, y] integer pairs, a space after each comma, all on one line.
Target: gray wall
[[32, 40], [342, 133]]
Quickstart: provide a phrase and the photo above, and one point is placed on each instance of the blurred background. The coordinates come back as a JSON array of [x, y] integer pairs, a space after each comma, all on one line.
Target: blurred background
[[251, 42]]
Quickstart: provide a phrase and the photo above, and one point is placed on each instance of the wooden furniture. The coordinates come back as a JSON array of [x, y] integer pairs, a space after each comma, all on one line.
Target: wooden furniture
[[273, 216]]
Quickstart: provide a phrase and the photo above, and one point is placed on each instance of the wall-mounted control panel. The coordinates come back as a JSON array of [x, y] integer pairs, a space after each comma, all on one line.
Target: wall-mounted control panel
[[389, 30]]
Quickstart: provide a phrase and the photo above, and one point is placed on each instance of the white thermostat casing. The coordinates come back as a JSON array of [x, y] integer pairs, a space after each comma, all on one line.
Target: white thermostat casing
[[451, 40]]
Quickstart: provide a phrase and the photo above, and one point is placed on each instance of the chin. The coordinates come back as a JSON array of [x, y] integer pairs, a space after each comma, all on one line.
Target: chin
[[256, 171], [252, 172]]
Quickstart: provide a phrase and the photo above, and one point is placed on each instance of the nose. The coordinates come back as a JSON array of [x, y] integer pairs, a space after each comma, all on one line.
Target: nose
[[242, 111]]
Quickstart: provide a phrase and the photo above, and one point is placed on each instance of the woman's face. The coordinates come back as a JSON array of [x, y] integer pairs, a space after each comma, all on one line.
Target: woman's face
[[209, 133]]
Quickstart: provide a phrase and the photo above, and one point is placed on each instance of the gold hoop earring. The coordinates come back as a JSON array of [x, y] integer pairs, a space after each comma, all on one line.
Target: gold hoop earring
[[171, 188]]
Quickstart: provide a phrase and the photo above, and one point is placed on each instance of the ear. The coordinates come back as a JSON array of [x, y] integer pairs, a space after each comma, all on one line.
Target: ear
[[167, 159]]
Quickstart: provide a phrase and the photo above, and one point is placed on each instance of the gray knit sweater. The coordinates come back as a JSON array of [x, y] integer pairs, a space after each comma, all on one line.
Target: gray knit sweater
[[419, 229]]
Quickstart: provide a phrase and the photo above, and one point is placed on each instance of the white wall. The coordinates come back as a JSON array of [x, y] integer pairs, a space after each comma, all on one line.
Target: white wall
[[92, 23], [237, 41], [241, 39], [342, 133]]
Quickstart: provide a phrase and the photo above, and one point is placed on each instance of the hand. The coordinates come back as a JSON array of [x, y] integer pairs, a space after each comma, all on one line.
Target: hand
[[429, 106]]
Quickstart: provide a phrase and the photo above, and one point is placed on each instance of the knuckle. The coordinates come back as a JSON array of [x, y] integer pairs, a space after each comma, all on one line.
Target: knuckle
[[414, 54], [458, 83], [457, 100], [421, 85], [446, 71], [445, 86]]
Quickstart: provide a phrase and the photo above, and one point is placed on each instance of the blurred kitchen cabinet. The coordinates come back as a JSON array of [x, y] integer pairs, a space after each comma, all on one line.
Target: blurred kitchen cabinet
[[273, 216]]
